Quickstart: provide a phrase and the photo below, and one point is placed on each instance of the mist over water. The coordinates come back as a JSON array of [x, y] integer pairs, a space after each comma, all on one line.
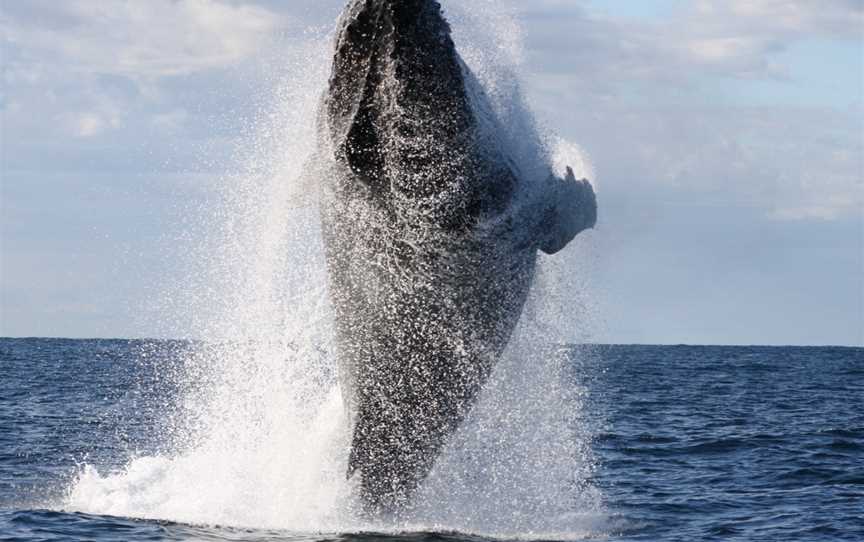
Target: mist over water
[[258, 436]]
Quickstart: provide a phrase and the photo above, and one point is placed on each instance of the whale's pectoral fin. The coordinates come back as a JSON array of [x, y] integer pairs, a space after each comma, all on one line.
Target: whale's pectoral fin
[[572, 209]]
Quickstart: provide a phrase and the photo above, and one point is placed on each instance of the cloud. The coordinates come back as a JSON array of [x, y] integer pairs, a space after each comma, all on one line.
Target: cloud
[[150, 77], [742, 37], [827, 18], [639, 95], [140, 39], [738, 38], [90, 124], [99, 83]]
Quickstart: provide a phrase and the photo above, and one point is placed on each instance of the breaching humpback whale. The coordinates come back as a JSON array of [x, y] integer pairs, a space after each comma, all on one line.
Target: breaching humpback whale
[[431, 233]]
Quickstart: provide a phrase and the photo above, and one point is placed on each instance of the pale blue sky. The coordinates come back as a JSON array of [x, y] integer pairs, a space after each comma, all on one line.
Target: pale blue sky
[[727, 139]]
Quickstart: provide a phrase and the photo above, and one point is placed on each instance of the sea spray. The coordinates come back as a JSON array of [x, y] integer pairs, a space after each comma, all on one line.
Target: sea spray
[[259, 434], [256, 435]]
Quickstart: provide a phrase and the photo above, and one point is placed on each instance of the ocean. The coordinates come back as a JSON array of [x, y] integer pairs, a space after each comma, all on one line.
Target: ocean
[[686, 443]]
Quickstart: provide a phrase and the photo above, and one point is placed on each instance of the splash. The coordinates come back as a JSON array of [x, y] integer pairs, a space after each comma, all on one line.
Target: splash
[[258, 437]]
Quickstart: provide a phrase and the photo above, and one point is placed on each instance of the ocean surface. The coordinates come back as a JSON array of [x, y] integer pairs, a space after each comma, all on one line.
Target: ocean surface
[[690, 442]]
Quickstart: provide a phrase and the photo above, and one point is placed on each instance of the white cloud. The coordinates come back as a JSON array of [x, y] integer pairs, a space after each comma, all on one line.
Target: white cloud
[[142, 78], [69, 59], [87, 124], [723, 49], [636, 95], [824, 18], [140, 39], [733, 38], [788, 163], [741, 37]]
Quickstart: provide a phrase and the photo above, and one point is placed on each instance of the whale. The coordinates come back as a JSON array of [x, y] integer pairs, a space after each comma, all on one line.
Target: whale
[[431, 232]]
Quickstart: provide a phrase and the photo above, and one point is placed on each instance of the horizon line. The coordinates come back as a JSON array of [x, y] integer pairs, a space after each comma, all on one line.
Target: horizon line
[[601, 344]]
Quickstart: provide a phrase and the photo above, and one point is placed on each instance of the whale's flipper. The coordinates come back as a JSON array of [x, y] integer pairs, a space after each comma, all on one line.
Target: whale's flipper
[[572, 209]]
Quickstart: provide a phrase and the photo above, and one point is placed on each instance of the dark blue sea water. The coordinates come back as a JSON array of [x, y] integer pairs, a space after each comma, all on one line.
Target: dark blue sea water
[[693, 443]]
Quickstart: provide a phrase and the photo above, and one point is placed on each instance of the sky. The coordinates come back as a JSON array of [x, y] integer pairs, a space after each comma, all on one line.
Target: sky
[[726, 138]]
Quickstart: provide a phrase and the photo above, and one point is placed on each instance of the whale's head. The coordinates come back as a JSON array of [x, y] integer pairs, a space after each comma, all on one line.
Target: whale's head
[[397, 111]]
